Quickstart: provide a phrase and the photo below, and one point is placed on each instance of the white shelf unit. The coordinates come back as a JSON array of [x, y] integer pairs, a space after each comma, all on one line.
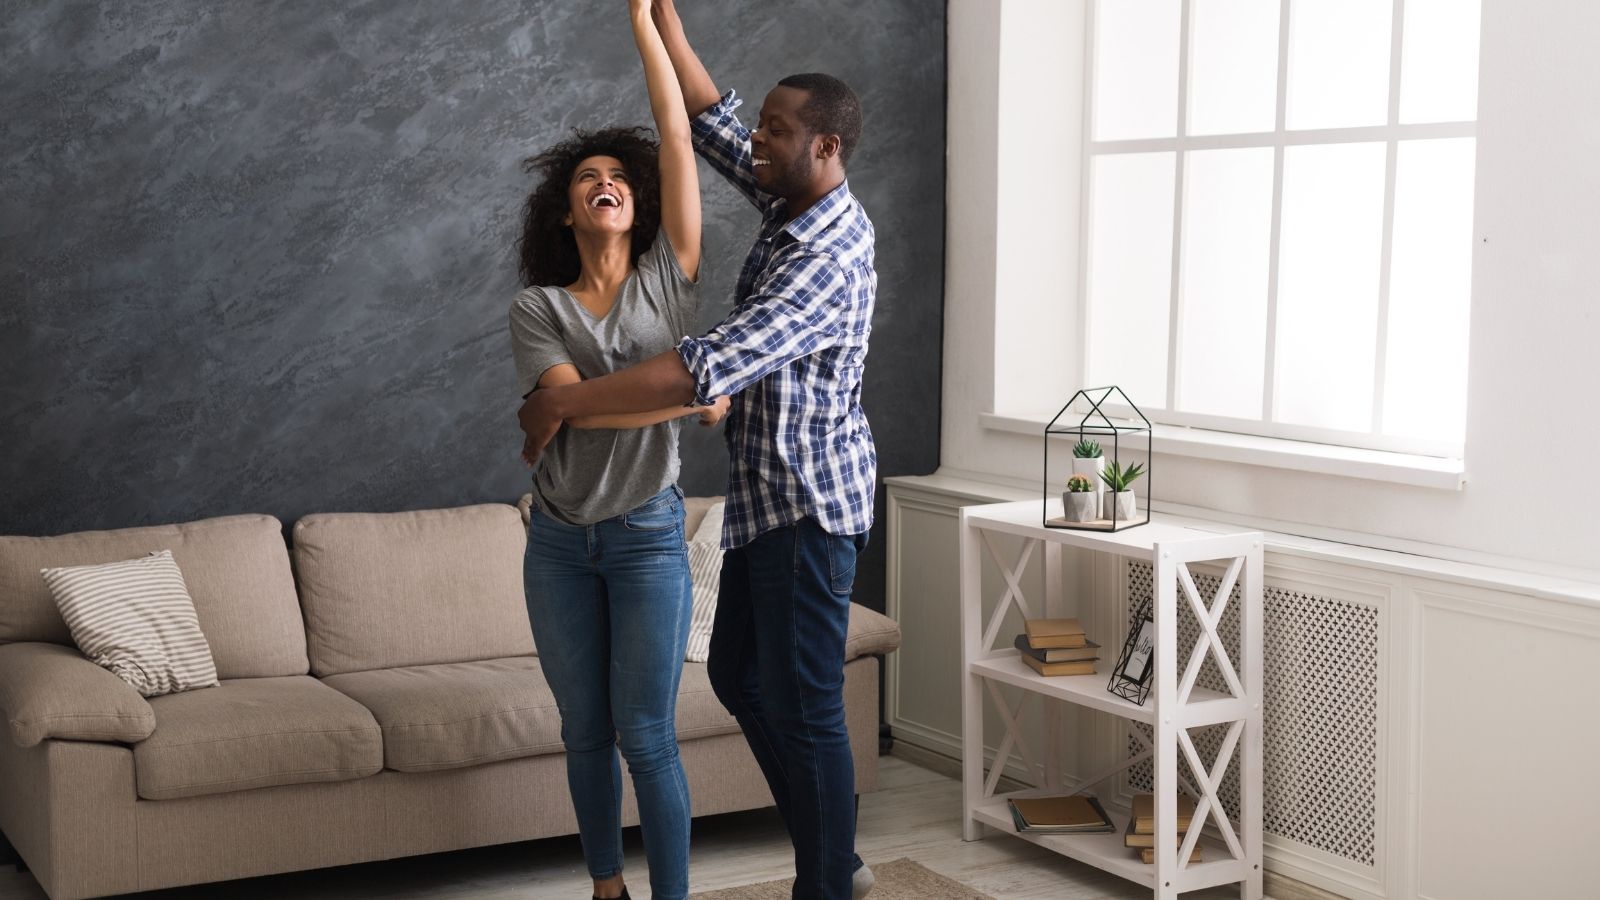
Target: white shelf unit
[[1175, 704]]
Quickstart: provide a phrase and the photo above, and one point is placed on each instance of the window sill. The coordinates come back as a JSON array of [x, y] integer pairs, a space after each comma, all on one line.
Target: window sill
[[1300, 456]]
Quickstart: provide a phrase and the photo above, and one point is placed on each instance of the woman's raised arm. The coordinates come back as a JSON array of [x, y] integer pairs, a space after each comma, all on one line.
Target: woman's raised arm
[[680, 182]]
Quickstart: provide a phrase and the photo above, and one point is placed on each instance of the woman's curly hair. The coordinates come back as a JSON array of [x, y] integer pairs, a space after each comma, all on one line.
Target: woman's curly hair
[[547, 253]]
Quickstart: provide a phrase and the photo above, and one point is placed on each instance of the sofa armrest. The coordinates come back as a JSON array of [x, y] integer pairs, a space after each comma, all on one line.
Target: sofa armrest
[[870, 632], [51, 691]]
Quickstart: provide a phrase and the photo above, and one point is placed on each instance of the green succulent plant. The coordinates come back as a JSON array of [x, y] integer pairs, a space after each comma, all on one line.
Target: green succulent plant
[[1086, 449], [1118, 478], [1079, 484]]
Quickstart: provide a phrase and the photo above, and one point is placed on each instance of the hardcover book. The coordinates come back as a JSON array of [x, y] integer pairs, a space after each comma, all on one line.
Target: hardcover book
[[1144, 813], [1089, 650], [1132, 837], [1081, 814], [1075, 667], [1148, 855], [1046, 634]]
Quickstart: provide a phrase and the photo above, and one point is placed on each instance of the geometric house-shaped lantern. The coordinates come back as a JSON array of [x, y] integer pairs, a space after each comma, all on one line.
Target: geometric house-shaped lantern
[[1086, 425]]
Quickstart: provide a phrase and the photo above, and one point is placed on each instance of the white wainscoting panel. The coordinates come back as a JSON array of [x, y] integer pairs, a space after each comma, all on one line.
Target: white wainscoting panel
[[1507, 769]]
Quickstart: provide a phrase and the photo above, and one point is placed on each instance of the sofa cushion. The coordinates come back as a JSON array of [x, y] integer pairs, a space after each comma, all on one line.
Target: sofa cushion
[[870, 632], [236, 569], [51, 691], [135, 618], [462, 714], [386, 590], [457, 714], [255, 732]]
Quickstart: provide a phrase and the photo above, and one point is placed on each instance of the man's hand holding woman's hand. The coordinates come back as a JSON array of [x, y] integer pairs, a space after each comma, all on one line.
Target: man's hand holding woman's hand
[[711, 415], [539, 425]]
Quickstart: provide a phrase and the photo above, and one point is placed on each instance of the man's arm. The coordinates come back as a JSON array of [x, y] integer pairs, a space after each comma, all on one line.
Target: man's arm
[[699, 91], [658, 382]]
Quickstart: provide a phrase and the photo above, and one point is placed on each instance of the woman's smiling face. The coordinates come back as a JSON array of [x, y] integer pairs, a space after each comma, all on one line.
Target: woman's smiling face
[[599, 197]]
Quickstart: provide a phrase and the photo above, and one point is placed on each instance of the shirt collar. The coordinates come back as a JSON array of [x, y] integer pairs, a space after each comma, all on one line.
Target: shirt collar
[[811, 223]]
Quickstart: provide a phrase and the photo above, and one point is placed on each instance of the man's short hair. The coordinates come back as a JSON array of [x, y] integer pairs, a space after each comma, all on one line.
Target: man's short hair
[[832, 108]]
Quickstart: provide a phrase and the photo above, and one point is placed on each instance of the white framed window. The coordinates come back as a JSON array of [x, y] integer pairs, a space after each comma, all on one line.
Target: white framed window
[[1278, 209]]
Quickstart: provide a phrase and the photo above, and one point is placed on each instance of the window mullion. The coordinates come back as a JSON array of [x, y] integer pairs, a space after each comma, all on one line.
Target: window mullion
[[1380, 360], [1174, 311], [1269, 377], [1085, 191]]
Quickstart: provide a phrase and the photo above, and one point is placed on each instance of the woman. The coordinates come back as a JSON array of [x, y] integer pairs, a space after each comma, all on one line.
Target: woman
[[610, 252]]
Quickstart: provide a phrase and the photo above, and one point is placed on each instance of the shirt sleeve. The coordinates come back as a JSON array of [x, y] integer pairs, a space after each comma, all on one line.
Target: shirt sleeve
[[724, 142], [796, 310], [536, 338]]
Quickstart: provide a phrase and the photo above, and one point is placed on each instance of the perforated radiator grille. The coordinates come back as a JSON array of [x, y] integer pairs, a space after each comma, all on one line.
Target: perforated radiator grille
[[1320, 779]]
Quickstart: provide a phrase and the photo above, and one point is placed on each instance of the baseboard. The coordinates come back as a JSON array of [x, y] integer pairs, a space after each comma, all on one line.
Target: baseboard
[[948, 766], [1281, 887]]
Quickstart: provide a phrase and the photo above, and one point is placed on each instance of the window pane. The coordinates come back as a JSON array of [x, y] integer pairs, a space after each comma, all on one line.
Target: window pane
[[1233, 66], [1328, 258], [1440, 61], [1130, 273], [1135, 69], [1430, 274], [1338, 63], [1227, 224]]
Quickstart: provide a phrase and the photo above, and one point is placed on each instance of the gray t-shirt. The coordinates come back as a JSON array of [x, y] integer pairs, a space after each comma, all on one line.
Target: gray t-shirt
[[590, 474]]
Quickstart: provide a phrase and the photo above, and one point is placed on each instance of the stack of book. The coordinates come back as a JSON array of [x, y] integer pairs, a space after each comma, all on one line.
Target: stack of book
[[1057, 647], [1141, 833], [1081, 814]]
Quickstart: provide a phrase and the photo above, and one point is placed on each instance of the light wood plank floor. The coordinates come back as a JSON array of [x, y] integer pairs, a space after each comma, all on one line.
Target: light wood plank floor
[[916, 813]]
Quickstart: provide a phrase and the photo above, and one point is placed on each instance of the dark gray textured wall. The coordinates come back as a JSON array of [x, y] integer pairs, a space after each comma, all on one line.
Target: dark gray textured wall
[[256, 257]]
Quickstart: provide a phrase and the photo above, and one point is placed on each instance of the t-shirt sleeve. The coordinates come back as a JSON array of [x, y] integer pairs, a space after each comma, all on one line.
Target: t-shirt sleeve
[[537, 342], [679, 295]]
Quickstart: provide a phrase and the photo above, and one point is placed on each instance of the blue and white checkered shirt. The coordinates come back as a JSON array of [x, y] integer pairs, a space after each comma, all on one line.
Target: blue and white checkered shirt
[[791, 354]]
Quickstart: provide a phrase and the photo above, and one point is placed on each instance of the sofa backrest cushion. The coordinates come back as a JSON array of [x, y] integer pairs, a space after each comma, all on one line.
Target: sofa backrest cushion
[[236, 569], [382, 590]]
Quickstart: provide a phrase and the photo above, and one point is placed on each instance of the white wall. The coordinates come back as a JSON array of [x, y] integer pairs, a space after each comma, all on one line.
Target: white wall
[[1015, 73]]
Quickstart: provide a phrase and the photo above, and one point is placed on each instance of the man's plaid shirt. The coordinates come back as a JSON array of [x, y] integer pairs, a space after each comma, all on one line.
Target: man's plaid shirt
[[791, 354]]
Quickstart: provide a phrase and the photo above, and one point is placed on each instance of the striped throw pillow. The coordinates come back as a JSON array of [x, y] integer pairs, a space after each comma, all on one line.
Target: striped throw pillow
[[135, 618], [705, 573]]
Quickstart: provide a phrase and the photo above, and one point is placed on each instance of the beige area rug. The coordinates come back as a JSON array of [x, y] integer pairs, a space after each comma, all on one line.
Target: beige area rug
[[902, 879]]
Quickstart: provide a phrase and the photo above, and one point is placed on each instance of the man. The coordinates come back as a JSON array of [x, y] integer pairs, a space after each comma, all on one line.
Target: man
[[802, 464]]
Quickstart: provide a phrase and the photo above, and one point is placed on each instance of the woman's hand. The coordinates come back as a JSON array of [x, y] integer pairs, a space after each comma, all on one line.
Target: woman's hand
[[639, 7], [711, 415]]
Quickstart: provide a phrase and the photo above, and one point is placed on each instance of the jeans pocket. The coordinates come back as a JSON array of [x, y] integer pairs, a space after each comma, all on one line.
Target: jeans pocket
[[841, 564], [656, 515]]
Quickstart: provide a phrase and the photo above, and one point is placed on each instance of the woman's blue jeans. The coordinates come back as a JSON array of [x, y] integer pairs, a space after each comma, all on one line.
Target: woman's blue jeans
[[610, 605]]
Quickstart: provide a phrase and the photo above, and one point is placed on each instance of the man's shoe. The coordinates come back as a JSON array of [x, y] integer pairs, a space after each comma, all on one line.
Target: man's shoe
[[861, 882]]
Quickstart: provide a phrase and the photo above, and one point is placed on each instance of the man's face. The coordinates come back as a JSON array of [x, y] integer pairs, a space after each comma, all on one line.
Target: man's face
[[782, 145]]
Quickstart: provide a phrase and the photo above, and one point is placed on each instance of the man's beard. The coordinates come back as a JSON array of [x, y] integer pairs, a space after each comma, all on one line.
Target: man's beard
[[796, 176]]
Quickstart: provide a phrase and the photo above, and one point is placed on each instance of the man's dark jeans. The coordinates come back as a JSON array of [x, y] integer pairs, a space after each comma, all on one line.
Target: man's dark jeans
[[777, 664]]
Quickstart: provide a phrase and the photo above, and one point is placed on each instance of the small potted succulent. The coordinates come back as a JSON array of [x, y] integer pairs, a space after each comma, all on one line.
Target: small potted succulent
[[1087, 461], [1080, 501], [1119, 505]]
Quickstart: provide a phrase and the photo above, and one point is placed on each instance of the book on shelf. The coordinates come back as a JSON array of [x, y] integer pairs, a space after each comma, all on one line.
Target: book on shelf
[[1047, 634], [1075, 667], [1144, 813], [1080, 814], [1133, 837], [1089, 650], [1148, 855]]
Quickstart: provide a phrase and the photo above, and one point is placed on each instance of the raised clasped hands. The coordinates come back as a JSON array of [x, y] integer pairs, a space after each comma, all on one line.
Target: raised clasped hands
[[711, 415], [539, 425]]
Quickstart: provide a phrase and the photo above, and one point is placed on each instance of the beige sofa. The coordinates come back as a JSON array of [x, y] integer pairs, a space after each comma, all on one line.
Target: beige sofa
[[378, 699]]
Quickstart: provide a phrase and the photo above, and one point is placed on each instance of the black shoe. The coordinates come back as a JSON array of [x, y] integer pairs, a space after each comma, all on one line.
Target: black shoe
[[623, 897]]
